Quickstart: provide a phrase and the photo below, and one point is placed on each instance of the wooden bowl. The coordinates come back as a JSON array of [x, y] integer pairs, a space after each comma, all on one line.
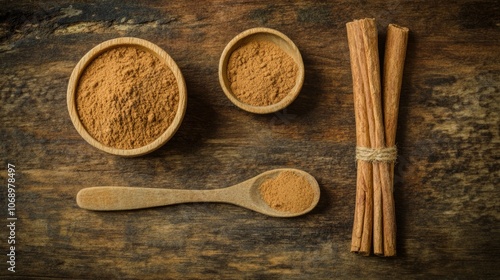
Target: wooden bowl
[[261, 34], [144, 46]]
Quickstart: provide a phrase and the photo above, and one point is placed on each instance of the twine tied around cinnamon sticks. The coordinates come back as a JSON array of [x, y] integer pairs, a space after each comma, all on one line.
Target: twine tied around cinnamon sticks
[[377, 155], [376, 121]]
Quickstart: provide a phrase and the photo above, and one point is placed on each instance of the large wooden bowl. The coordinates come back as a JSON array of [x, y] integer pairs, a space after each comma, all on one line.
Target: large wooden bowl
[[142, 45]]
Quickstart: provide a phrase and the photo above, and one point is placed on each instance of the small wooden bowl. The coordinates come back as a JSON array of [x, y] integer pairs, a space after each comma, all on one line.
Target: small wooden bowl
[[142, 45], [262, 34]]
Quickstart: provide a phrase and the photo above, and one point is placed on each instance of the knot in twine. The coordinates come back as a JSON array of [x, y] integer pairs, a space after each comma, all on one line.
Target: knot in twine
[[376, 155]]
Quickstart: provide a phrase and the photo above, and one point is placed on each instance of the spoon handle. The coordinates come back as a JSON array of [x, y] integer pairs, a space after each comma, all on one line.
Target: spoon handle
[[126, 198]]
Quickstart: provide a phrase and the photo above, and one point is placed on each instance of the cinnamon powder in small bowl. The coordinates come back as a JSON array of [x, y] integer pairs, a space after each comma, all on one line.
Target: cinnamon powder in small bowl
[[126, 97], [261, 73], [261, 70]]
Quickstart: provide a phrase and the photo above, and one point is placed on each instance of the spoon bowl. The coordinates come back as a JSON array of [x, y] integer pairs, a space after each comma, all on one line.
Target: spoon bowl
[[261, 206], [245, 194]]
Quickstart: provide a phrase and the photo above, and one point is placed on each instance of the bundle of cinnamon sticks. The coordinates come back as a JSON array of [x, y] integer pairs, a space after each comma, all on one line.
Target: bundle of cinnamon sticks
[[376, 113]]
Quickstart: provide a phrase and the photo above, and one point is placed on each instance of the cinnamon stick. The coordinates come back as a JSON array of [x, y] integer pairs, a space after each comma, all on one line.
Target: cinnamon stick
[[395, 52], [373, 98], [363, 46], [364, 176]]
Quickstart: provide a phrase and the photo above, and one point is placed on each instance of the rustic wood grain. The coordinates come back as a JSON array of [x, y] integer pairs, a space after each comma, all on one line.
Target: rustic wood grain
[[446, 177]]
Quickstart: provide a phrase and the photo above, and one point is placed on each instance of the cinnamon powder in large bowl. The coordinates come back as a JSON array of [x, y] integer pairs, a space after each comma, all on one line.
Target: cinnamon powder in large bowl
[[127, 97]]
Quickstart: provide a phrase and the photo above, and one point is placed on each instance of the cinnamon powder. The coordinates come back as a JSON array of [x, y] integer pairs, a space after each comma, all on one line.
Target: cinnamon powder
[[126, 98], [261, 73], [288, 192]]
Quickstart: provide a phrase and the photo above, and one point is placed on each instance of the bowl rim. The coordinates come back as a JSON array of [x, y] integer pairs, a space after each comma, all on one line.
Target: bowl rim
[[240, 39], [88, 58]]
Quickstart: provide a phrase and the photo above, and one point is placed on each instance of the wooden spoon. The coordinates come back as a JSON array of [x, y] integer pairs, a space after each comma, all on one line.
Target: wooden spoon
[[245, 194]]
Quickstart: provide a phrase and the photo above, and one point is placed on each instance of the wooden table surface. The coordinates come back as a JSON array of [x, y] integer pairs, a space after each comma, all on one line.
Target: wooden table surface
[[447, 175]]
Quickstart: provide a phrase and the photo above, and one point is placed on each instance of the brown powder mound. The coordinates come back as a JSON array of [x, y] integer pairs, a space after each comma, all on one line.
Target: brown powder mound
[[126, 98], [288, 192], [261, 73]]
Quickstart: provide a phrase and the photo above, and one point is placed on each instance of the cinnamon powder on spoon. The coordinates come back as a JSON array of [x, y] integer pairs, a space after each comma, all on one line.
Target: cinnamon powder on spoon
[[288, 192], [126, 98]]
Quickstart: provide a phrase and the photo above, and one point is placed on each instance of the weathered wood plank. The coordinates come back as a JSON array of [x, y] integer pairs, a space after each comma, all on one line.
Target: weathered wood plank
[[447, 176]]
